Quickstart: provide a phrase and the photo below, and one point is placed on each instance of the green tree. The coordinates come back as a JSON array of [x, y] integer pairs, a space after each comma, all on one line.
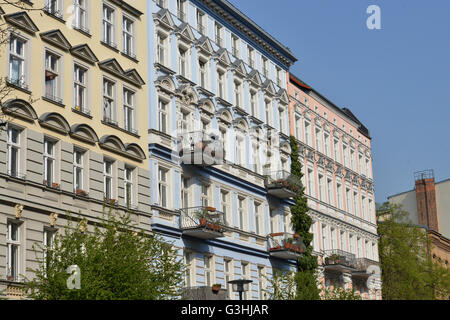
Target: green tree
[[115, 262], [307, 285], [339, 293], [408, 272]]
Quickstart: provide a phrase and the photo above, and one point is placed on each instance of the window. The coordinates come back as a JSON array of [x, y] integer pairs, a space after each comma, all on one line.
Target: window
[[371, 216], [325, 244], [337, 156], [218, 34], [282, 119], [321, 188], [367, 168], [228, 276], [17, 47], [255, 157], [347, 200], [343, 247], [253, 103], [333, 239], [161, 48], [359, 247], [361, 164], [49, 162], [241, 212], [330, 191], [339, 195], [13, 251], [52, 78], [128, 110], [128, 37], [108, 26], [237, 93], [184, 192], [53, 7], [14, 152], [201, 22], [279, 82], [204, 195], [286, 224], [182, 62], [352, 159], [189, 260], [363, 208], [181, 10], [80, 89], [251, 61], [273, 216], [235, 46], [310, 182], [355, 204], [319, 140], [298, 127], [265, 67], [258, 219], [128, 186], [326, 139], [163, 187], [203, 73], [268, 106], [245, 275], [108, 101], [224, 204], [80, 15], [239, 150], [344, 151], [209, 270], [261, 282], [163, 109], [78, 170], [49, 241], [308, 133], [352, 243], [221, 84], [108, 179]]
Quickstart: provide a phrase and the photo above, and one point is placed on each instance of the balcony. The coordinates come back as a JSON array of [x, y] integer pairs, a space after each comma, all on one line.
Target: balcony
[[365, 268], [286, 246], [200, 148], [282, 184], [202, 222], [339, 260]]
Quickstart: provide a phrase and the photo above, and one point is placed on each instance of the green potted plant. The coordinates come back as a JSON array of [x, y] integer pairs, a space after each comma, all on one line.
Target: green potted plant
[[216, 287]]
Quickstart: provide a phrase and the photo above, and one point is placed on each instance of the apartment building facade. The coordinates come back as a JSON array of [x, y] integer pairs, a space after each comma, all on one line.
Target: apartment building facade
[[218, 143], [74, 122], [335, 152]]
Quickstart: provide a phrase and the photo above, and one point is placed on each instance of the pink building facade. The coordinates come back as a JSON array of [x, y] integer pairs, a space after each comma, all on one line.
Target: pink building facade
[[335, 151]]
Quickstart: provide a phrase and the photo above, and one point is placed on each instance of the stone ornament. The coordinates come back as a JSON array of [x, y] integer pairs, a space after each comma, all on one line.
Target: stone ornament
[[18, 208], [53, 218]]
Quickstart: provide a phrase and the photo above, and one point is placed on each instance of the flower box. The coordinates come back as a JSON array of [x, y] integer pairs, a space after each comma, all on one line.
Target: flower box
[[216, 287]]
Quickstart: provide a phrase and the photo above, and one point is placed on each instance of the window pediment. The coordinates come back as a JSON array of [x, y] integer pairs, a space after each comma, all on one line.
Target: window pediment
[[85, 53], [129, 150], [255, 77], [224, 115], [164, 19], [239, 68], [205, 46], [22, 20], [269, 88], [241, 124], [283, 96], [184, 32], [165, 84], [134, 77], [111, 66], [54, 121], [20, 108], [206, 105], [84, 133], [222, 57], [56, 38], [187, 95]]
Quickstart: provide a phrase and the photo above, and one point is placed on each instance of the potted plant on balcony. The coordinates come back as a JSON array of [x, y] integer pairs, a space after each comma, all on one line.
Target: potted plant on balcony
[[201, 215], [55, 185], [333, 259], [81, 192], [216, 287]]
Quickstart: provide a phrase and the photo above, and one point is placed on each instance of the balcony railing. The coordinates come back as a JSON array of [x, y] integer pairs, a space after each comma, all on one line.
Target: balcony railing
[[365, 267], [339, 260], [285, 245], [282, 184], [202, 222], [200, 148]]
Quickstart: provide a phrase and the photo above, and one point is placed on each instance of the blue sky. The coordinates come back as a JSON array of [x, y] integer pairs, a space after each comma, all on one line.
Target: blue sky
[[395, 80]]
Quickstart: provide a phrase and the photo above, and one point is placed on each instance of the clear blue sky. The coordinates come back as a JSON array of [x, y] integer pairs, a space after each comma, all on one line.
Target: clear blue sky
[[395, 80]]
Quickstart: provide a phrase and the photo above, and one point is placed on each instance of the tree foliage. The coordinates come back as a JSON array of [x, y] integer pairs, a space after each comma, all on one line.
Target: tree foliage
[[408, 272], [306, 280], [339, 293], [115, 261]]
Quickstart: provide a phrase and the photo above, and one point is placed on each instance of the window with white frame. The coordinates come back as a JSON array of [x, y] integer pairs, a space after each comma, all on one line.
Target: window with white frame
[[330, 191], [128, 37], [221, 84], [258, 218], [367, 168], [228, 268], [261, 282], [253, 103], [14, 152], [241, 212], [326, 140], [128, 110], [345, 153], [319, 140], [245, 275], [108, 101], [201, 22], [78, 170], [80, 89], [80, 15], [189, 261], [239, 150], [272, 220], [279, 82], [49, 243], [203, 73], [181, 10], [310, 182], [298, 127], [343, 246], [185, 192], [218, 34], [163, 186], [235, 46], [321, 188], [355, 203], [363, 207], [286, 223], [352, 159], [351, 241], [204, 194], [108, 179], [54, 7], [256, 163], [49, 162], [325, 244], [108, 25], [359, 247], [371, 214], [13, 250], [282, 119], [339, 203], [237, 93], [17, 60], [361, 165], [182, 61], [163, 116], [128, 186], [209, 269], [224, 204], [250, 55], [265, 67], [268, 109], [334, 243], [52, 77], [337, 156], [161, 45], [308, 133]]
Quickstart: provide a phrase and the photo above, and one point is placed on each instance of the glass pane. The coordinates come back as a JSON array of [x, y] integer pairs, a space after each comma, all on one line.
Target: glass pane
[[14, 232]]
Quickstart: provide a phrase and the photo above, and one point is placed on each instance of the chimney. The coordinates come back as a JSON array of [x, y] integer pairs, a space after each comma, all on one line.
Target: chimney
[[426, 199]]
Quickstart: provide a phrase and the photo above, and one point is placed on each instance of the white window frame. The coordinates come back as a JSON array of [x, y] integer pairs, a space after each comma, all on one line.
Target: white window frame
[[109, 101], [109, 23], [163, 115], [242, 212], [128, 36], [13, 246], [56, 95], [128, 186], [108, 176], [49, 158], [81, 15], [163, 186], [22, 80], [229, 275], [11, 145], [78, 166], [80, 105], [209, 268], [129, 110]]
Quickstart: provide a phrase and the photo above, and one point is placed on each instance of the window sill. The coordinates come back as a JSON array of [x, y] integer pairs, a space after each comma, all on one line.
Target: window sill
[[110, 45], [54, 16], [18, 87], [132, 57], [81, 113], [84, 31], [116, 126], [54, 101]]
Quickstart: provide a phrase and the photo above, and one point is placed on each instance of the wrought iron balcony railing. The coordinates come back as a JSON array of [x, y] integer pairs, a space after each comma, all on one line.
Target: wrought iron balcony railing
[[285, 245], [200, 148], [362, 264], [202, 222], [340, 259], [282, 184]]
